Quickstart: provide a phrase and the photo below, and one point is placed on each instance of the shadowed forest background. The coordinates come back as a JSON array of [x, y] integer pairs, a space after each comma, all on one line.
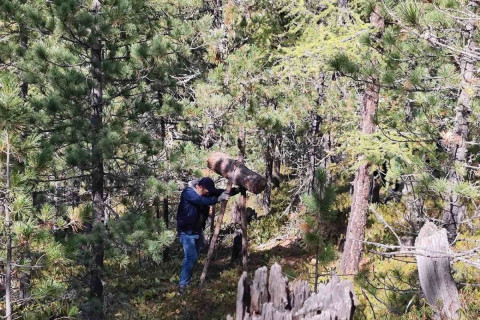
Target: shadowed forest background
[[362, 115]]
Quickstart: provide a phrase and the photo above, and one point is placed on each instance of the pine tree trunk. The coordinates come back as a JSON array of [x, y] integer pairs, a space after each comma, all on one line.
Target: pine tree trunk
[[269, 157], [454, 209], [314, 142], [24, 277], [24, 45], [325, 141], [97, 174], [352, 253], [166, 218], [166, 213], [8, 225], [242, 202], [357, 221], [277, 161], [413, 203]]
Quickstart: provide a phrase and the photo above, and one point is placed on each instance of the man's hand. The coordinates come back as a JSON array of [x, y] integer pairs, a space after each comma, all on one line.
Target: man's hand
[[223, 196], [234, 191]]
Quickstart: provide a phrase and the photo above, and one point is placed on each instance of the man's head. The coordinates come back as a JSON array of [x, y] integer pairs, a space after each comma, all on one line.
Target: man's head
[[206, 186]]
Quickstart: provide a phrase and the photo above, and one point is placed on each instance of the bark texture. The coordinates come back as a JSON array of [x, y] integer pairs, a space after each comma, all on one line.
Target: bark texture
[[352, 253], [236, 172], [258, 290], [433, 265], [8, 231], [97, 174], [280, 300], [269, 158], [242, 203]]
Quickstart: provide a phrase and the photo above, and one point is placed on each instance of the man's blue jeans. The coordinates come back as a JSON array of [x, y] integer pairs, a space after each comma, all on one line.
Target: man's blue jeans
[[191, 247]]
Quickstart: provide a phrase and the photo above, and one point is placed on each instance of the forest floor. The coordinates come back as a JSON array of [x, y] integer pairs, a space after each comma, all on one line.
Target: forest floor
[[152, 294]]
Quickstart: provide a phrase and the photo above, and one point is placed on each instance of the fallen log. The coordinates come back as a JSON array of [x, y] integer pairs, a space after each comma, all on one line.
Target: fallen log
[[236, 172]]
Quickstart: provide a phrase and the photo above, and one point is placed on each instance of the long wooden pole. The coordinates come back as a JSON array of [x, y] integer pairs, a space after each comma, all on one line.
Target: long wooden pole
[[215, 236]]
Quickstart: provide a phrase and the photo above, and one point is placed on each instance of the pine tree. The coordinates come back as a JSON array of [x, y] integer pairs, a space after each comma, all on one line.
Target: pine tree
[[318, 216], [94, 69]]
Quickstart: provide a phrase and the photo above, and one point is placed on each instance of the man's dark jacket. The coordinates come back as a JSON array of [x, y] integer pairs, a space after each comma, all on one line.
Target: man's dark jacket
[[193, 210]]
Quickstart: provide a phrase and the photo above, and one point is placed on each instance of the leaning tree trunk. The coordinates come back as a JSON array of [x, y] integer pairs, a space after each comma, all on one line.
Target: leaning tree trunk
[[357, 221], [97, 174], [433, 263], [454, 209]]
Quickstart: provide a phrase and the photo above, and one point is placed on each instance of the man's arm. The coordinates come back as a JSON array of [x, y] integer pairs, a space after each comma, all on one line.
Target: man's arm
[[198, 200]]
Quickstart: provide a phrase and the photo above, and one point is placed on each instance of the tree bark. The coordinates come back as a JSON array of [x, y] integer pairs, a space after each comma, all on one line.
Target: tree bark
[[166, 251], [434, 271], [25, 276], [314, 143], [276, 299], [269, 158], [236, 172], [454, 209], [277, 161], [97, 174], [357, 221], [24, 45], [413, 203], [8, 226], [242, 289], [242, 201]]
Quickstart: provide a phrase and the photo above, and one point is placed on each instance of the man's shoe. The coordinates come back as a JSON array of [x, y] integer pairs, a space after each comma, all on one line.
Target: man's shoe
[[181, 290]]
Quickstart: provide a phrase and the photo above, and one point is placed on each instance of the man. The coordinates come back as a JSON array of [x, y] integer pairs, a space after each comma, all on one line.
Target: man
[[192, 214]]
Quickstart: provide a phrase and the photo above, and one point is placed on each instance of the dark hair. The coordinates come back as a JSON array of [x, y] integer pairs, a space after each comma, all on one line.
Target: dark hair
[[208, 184]]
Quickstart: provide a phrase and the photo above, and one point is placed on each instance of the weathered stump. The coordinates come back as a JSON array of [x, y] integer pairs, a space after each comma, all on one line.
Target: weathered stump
[[277, 287], [335, 299], [242, 290], [258, 290], [275, 299], [300, 293], [433, 263]]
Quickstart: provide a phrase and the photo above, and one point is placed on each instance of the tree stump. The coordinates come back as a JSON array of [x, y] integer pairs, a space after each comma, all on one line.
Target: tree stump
[[242, 296], [281, 301], [277, 287], [258, 290], [300, 293], [433, 263], [336, 300]]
